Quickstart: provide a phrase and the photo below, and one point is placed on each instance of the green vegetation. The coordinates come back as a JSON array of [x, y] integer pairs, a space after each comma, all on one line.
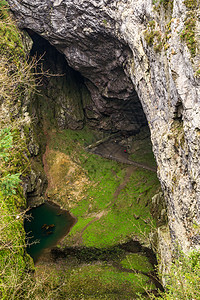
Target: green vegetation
[[149, 34], [167, 5], [97, 281], [10, 41], [13, 259], [8, 182], [128, 216], [188, 33], [191, 4], [184, 278], [197, 73], [157, 39], [122, 216], [15, 82], [154, 37], [105, 22], [106, 218], [137, 262]]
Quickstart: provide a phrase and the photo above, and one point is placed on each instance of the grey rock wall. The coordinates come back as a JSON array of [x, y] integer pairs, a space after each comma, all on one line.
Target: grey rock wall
[[60, 90], [105, 41]]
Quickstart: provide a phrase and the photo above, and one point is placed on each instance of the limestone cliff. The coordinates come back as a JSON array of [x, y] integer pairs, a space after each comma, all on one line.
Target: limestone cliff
[[130, 49]]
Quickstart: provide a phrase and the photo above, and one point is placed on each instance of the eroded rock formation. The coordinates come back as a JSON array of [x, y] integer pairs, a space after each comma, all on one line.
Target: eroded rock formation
[[125, 46]]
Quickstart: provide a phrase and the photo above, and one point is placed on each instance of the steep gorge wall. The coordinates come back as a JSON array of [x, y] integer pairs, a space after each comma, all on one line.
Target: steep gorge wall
[[125, 46]]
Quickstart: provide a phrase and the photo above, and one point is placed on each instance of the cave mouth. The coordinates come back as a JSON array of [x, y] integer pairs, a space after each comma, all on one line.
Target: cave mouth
[[69, 101], [75, 101]]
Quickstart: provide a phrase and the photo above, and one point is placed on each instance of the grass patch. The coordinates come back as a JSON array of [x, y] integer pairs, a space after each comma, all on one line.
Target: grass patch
[[120, 218], [135, 261], [100, 281], [183, 278], [129, 216], [188, 33]]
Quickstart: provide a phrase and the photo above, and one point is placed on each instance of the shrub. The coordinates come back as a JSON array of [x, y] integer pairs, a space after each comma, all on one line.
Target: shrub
[[183, 281]]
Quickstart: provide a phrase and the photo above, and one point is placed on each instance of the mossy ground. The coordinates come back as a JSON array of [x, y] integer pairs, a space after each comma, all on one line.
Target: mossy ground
[[106, 219], [99, 280], [130, 209]]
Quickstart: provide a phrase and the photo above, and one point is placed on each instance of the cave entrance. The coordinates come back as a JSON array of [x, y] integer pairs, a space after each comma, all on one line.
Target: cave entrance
[[111, 198], [71, 101]]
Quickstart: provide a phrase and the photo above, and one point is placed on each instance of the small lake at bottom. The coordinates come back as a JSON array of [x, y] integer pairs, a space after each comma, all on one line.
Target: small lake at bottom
[[45, 225]]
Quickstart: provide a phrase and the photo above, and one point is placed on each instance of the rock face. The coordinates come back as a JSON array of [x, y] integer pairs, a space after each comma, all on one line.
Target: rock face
[[62, 92], [69, 99], [124, 47]]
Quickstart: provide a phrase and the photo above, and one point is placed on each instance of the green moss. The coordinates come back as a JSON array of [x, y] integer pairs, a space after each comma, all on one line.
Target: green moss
[[100, 281], [174, 179], [14, 160], [137, 262], [10, 39], [149, 33], [166, 4], [188, 34], [190, 4], [117, 222], [153, 37], [197, 73], [105, 22], [178, 134], [156, 38]]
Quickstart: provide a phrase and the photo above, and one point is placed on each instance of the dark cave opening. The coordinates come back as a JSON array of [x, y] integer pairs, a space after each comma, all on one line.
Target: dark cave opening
[[75, 101], [68, 100]]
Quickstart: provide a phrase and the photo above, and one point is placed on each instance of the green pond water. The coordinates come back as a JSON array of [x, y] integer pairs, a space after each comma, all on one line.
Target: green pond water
[[45, 225]]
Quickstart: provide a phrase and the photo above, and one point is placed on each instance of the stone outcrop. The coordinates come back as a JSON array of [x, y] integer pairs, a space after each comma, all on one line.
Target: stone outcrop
[[129, 48]]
